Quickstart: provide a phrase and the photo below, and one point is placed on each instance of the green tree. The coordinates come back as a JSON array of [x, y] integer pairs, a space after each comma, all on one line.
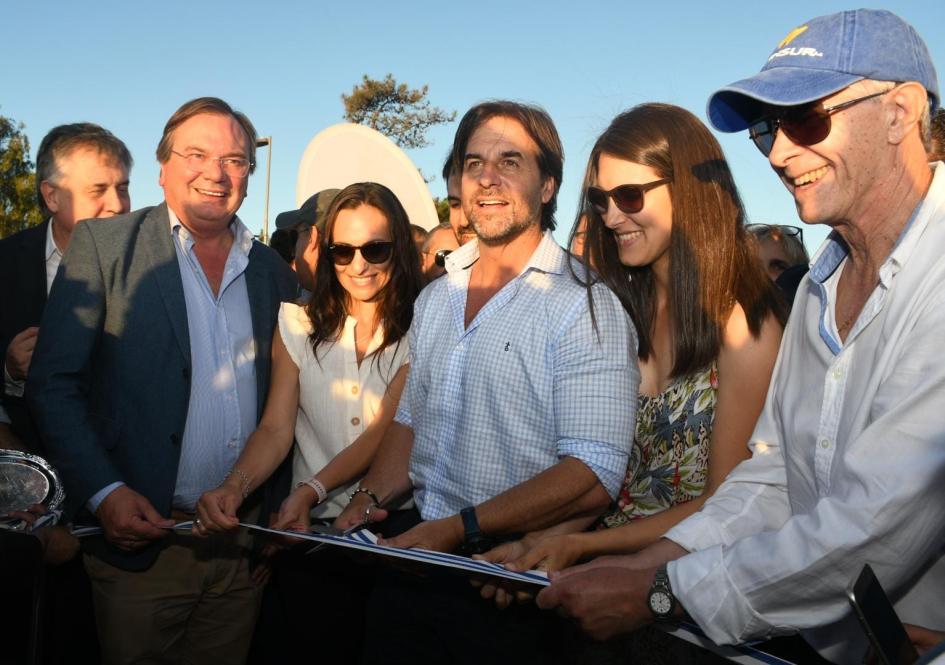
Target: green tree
[[442, 209], [18, 208], [402, 114]]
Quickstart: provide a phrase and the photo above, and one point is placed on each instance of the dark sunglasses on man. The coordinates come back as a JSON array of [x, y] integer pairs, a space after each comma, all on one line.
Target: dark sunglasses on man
[[627, 198], [805, 124], [378, 251]]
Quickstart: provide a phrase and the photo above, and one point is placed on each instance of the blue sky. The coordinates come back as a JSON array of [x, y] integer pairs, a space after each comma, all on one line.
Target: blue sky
[[129, 65]]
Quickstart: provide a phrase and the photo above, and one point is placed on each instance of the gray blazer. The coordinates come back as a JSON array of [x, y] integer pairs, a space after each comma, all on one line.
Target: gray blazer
[[109, 383]]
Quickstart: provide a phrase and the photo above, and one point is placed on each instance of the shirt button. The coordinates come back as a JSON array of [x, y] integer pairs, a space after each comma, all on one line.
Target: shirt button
[[837, 373], [231, 444], [355, 421], [824, 443], [354, 390]]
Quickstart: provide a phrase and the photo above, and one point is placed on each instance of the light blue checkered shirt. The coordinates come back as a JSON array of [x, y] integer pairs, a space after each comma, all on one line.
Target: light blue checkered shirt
[[528, 383]]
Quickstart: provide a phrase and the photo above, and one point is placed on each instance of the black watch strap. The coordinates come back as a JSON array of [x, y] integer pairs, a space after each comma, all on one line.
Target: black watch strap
[[475, 542]]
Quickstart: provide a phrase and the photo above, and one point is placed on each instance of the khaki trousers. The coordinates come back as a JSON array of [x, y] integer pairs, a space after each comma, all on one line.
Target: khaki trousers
[[196, 604]]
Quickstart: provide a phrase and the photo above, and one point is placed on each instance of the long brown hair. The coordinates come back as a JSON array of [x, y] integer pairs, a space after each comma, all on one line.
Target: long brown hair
[[329, 304], [712, 265]]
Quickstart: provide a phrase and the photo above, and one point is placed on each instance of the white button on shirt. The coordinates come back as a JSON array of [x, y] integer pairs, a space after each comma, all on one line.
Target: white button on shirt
[[848, 464]]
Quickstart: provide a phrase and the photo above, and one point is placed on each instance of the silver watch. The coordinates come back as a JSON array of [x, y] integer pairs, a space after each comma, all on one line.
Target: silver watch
[[661, 600]]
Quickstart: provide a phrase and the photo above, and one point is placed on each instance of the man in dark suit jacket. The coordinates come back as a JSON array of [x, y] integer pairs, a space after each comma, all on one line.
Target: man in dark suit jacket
[[150, 372], [82, 172]]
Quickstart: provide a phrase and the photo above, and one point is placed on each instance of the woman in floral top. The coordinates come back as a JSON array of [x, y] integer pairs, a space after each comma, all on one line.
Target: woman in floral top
[[665, 230]]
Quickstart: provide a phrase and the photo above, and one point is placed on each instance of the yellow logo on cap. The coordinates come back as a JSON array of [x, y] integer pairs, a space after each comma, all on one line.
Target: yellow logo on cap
[[792, 36]]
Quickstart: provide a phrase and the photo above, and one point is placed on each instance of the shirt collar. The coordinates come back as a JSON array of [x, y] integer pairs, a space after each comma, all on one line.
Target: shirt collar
[[242, 237], [50, 241], [547, 257]]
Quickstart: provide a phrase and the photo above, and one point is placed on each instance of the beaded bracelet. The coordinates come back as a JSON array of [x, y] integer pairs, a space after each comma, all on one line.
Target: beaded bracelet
[[320, 492], [244, 481], [365, 490]]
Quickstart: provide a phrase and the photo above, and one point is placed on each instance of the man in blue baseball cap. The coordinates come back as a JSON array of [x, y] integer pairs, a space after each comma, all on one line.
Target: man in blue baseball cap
[[848, 458]]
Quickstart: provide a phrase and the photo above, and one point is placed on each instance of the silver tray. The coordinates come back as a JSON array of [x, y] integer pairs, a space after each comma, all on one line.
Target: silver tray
[[27, 479]]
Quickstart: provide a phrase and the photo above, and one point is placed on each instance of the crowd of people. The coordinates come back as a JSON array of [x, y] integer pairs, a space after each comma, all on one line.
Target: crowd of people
[[638, 416]]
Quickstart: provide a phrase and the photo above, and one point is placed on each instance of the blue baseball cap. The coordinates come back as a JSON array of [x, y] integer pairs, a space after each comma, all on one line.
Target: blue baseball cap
[[824, 56]]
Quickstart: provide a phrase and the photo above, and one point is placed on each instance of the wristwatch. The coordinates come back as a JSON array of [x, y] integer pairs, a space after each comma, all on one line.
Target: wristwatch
[[661, 600], [475, 541]]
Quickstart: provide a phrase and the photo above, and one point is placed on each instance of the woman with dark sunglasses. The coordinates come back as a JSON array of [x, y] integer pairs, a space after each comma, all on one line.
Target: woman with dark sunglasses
[[339, 365], [665, 232]]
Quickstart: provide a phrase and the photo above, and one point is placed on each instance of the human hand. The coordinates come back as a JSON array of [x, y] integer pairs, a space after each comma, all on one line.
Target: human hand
[[216, 510], [30, 515], [501, 590], [443, 535], [548, 553], [20, 352], [129, 520], [294, 511], [923, 639], [59, 545], [262, 571], [360, 510], [605, 601]]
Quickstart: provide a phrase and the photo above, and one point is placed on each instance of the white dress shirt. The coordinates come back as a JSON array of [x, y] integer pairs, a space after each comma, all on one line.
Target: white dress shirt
[[848, 463]]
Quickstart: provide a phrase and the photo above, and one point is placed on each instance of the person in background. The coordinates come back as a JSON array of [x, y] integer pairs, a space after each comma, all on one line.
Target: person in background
[[782, 254], [308, 221], [847, 460], [779, 247], [937, 151], [419, 235], [82, 172], [578, 235], [144, 394], [283, 243], [439, 243], [462, 229]]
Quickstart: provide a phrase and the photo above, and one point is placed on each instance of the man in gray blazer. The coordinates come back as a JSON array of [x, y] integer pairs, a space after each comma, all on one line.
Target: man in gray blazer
[[148, 379]]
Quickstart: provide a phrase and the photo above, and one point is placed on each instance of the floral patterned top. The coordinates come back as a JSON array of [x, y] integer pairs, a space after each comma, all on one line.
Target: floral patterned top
[[670, 450]]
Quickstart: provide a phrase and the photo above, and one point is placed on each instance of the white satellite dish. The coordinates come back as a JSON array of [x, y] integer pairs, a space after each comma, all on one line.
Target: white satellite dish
[[347, 153]]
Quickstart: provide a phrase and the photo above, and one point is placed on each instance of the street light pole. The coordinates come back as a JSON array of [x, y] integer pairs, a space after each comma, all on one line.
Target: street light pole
[[266, 141]]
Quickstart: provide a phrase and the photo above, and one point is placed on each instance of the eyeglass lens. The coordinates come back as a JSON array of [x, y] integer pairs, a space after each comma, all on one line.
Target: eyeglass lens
[[372, 252], [628, 198]]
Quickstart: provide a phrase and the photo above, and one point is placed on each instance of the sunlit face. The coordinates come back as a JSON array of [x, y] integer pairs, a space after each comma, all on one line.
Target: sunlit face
[[461, 228], [831, 181], [773, 257], [503, 189], [642, 238], [87, 184], [439, 239], [205, 201], [362, 281]]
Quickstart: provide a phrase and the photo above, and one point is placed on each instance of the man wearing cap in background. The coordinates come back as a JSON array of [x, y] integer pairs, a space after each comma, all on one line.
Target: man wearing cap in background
[[848, 461], [309, 222]]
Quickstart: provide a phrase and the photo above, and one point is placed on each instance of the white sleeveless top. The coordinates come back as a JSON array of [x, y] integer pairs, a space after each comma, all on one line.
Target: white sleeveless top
[[337, 399]]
